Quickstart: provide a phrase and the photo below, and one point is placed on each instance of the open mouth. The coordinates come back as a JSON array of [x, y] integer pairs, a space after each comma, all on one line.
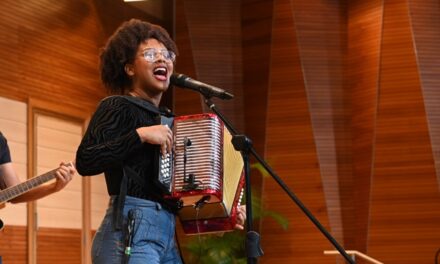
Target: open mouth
[[160, 73]]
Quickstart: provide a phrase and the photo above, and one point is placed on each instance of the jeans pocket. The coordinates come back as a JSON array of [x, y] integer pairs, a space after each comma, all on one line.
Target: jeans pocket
[[147, 230]]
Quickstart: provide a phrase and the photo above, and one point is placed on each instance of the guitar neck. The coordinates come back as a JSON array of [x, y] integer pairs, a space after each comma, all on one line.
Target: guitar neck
[[17, 190]]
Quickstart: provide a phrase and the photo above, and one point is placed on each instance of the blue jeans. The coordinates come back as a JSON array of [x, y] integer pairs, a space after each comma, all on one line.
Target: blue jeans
[[153, 236]]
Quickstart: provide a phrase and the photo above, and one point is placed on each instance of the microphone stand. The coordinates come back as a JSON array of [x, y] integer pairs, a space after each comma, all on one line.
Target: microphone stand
[[244, 145]]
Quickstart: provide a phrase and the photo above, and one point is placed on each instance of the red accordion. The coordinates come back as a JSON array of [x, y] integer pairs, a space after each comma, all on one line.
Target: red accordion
[[205, 173]]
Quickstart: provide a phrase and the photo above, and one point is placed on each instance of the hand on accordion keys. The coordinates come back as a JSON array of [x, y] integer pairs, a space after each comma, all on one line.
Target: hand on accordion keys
[[157, 135], [241, 217]]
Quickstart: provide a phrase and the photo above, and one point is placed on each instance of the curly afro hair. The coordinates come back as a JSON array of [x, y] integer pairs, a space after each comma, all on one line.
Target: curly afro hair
[[121, 49]]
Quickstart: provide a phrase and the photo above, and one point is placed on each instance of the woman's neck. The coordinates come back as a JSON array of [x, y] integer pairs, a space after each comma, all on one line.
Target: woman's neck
[[143, 95]]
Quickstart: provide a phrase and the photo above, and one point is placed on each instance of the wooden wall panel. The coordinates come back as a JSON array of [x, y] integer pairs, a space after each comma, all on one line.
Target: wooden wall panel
[[425, 22], [405, 198], [13, 245], [48, 53], [56, 141], [322, 39], [364, 42], [215, 35], [291, 148], [186, 102], [257, 20], [57, 244]]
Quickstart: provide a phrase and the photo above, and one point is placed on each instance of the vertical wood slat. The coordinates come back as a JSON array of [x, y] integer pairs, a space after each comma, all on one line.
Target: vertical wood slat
[[321, 35], [86, 238], [291, 150], [364, 42], [425, 24], [31, 206], [257, 20]]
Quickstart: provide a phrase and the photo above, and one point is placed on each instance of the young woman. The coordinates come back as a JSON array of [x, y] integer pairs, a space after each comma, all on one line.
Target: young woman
[[121, 141]]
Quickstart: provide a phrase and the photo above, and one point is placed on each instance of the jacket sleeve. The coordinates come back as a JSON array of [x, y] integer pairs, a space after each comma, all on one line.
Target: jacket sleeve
[[5, 155], [110, 137]]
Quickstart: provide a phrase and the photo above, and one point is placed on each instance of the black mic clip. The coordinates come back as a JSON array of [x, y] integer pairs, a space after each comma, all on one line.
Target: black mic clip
[[191, 183], [200, 203]]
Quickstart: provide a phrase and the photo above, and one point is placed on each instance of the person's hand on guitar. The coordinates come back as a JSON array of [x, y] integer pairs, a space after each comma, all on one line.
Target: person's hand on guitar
[[64, 175], [25, 191], [28, 190]]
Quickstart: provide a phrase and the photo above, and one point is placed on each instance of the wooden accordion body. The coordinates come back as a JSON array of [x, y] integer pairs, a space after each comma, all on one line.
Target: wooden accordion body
[[205, 173]]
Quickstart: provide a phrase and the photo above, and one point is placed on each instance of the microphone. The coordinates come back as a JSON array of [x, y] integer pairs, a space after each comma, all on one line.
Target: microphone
[[207, 90]]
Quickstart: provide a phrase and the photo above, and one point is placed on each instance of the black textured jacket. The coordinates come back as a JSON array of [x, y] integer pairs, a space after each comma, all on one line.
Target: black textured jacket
[[111, 142]]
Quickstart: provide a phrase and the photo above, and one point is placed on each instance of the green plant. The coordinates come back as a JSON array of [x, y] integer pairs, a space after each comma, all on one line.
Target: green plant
[[229, 247], [225, 249]]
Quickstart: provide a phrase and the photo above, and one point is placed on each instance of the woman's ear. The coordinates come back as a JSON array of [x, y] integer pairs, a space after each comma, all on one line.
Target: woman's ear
[[129, 69]]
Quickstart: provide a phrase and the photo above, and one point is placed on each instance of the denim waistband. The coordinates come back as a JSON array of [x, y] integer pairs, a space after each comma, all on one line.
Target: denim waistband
[[133, 201]]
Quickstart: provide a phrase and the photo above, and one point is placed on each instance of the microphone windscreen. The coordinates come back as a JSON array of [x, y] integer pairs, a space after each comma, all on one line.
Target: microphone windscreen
[[178, 79]]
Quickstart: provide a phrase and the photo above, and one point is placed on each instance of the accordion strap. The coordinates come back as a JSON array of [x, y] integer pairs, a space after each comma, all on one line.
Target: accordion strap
[[118, 203], [146, 105], [141, 103]]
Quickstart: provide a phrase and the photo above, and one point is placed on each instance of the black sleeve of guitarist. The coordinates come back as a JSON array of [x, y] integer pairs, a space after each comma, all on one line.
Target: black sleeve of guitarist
[[5, 155], [111, 142]]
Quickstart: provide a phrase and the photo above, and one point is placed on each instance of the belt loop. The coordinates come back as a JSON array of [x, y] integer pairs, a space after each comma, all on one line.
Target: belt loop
[[158, 206]]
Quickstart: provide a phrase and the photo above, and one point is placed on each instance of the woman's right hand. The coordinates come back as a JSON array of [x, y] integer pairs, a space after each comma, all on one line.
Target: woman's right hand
[[157, 135]]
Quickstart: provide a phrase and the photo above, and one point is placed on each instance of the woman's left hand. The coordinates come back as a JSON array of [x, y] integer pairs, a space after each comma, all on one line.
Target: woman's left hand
[[241, 217]]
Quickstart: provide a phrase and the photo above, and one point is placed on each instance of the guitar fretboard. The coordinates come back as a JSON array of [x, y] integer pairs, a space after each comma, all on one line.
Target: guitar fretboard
[[16, 190]]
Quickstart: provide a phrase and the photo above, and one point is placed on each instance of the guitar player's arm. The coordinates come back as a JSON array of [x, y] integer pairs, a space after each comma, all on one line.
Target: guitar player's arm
[[9, 178]]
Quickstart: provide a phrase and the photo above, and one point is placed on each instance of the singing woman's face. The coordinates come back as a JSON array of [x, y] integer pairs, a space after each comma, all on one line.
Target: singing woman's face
[[152, 68]]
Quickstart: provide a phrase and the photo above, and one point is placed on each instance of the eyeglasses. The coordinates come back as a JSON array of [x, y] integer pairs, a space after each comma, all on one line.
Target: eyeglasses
[[152, 54]]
